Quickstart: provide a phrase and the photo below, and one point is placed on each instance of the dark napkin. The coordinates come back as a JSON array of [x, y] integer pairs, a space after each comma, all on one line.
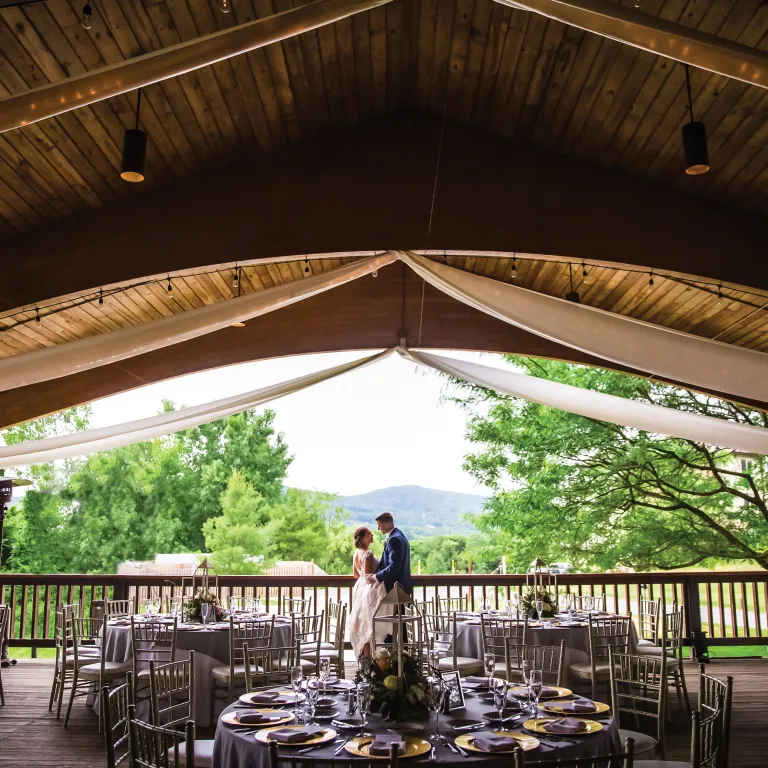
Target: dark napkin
[[266, 697], [383, 741], [295, 735], [571, 623], [474, 679], [257, 718], [492, 742], [565, 725], [547, 692], [583, 706]]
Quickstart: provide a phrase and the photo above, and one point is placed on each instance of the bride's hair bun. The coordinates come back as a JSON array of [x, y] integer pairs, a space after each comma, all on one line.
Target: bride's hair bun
[[359, 536]]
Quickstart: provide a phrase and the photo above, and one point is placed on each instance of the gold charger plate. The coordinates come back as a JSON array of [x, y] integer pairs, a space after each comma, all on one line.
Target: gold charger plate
[[327, 735], [556, 707], [413, 748], [561, 692], [288, 700], [231, 718], [525, 742], [538, 725]]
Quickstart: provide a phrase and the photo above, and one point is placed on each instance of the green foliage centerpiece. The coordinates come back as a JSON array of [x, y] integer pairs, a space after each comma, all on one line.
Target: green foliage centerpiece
[[194, 606], [528, 602], [394, 693]]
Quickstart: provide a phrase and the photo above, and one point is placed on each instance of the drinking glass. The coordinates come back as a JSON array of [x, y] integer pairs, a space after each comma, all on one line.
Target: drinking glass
[[489, 663], [250, 606], [436, 696], [535, 684], [539, 605], [364, 704], [325, 670], [234, 602], [526, 667], [313, 693], [297, 675], [515, 600], [206, 613], [589, 604], [500, 700], [257, 605], [175, 607]]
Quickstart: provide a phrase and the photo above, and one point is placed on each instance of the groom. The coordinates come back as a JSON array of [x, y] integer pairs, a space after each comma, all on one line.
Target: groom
[[395, 565]]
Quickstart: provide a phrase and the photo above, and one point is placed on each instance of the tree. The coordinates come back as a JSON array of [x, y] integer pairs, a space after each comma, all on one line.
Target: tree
[[601, 495]]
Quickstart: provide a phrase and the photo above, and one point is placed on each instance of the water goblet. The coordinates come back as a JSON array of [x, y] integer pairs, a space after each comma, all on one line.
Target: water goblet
[[539, 605], [297, 676], [434, 662], [500, 700], [313, 693], [250, 605], [206, 613], [234, 603], [176, 607], [526, 668], [257, 605], [364, 704], [435, 703], [535, 685], [489, 664], [589, 604], [325, 670]]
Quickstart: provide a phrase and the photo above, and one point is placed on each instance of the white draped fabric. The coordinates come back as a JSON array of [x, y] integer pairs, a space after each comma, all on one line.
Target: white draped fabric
[[94, 351], [596, 405], [105, 438], [643, 346]]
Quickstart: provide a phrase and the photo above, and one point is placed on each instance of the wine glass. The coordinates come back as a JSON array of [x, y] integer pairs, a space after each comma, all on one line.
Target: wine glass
[[234, 603], [313, 693], [175, 607], [515, 601], [297, 676], [535, 685], [325, 670], [526, 667], [257, 605], [250, 606], [364, 704], [500, 700], [489, 663], [436, 695], [206, 613], [589, 604], [539, 605]]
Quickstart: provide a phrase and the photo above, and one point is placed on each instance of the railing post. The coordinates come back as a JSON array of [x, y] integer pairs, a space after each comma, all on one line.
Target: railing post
[[696, 634]]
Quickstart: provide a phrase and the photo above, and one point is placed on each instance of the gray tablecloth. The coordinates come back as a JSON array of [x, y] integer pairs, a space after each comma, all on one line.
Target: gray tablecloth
[[469, 641], [241, 750], [211, 649]]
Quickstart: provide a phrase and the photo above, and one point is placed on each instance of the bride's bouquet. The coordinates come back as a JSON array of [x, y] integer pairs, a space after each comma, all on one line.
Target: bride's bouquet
[[392, 695]]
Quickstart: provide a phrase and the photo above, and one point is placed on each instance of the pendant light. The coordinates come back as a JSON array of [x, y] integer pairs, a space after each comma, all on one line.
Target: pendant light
[[694, 139], [134, 150], [572, 295]]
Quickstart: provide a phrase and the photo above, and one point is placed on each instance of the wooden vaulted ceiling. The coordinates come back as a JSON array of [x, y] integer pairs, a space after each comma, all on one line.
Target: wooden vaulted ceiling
[[513, 73]]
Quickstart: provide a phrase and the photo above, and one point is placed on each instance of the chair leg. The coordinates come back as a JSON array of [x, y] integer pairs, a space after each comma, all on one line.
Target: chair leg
[[681, 674], [2, 693], [62, 687], [56, 674], [594, 689], [71, 700]]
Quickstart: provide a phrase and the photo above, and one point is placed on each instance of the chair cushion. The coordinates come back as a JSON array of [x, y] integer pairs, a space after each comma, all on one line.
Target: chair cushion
[[660, 764], [111, 669], [203, 753], [463, 664], [644, 643], [653, 650], [222, 672], [643, 742], [584, 669], [306, 664], [327, 647], [81, 660]]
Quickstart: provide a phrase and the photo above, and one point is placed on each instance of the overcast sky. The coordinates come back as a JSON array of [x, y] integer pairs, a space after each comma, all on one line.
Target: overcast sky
[[380, 426]]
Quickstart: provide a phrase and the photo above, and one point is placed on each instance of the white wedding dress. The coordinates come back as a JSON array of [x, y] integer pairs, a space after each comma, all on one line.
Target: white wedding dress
[[365, 600]]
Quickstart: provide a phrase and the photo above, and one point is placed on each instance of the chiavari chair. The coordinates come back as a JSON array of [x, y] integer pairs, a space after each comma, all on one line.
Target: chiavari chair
[[150, 641], [498, 633], [4, 617], [152, 746], [281, 760], [624, 759], [114, 715], [550, 659], [649, 623], [333, 645], [603, 633], [441, 636], [710, 690]]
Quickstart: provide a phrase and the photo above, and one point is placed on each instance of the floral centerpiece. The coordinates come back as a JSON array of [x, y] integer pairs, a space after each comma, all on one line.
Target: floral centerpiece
[[387, 695], [193, 610], [528, 602]]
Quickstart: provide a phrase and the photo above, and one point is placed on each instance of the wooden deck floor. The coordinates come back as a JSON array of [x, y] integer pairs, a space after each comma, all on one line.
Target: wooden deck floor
[[31, 736]]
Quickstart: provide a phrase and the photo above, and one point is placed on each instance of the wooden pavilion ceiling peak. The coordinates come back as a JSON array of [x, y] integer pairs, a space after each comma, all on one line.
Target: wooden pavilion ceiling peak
[[509, 72]]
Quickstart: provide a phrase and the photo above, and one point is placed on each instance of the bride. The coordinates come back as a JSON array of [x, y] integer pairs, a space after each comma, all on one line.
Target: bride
[[365, 597]]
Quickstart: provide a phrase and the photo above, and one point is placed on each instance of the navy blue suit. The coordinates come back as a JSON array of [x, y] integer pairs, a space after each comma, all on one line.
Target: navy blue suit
[[395, 565]]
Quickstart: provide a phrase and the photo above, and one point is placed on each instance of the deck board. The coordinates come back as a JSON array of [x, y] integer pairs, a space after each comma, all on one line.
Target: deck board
[[31, 736]]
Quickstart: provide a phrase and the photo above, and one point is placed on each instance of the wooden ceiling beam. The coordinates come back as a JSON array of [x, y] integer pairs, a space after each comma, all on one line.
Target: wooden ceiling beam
[[370, 313], [656, 35], [140, 71]]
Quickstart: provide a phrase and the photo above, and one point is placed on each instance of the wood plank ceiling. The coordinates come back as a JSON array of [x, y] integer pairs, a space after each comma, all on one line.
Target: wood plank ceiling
[[508, 71], [729, 314]]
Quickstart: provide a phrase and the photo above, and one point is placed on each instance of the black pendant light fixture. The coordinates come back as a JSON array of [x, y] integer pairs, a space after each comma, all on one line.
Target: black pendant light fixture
[[694, 139], [134, 150], [572, 295]]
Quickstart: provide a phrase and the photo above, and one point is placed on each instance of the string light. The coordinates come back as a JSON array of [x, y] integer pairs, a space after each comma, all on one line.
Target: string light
[[584, 273], [572, 295], [85, 21], [375, 273], [236, 278], [101, 299], [37, 318], [170, 288], [649, 287], [513, 274], [224, 6], [306, 266], [720, 296]]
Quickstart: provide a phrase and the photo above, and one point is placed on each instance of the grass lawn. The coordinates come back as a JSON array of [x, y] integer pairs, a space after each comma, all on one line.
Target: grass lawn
[[738, 651], [26, 653]]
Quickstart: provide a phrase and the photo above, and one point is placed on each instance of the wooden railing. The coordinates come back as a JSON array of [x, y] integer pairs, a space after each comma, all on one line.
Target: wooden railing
[[721, 608]]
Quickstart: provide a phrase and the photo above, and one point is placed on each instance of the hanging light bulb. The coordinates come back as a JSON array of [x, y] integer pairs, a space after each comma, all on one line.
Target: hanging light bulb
[[134, 150], [375, 273], [169, 288], [224, 6], [236, 278], [514, 267], [584, 273], [572, 295], [85, 21], [720, 297], [101, 299], [694, 139], [306, 266], [37, 318], [649, 287]]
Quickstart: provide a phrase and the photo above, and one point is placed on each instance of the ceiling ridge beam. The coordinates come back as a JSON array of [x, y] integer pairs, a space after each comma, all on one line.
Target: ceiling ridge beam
[[655, 35], [63, 96]]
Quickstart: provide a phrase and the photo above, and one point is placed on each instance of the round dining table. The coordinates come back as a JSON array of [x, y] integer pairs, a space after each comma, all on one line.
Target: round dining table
[[237, 746], [211, 647]]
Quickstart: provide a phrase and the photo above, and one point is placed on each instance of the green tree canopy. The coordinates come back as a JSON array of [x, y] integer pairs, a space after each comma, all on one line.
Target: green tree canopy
[[571, 488]]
